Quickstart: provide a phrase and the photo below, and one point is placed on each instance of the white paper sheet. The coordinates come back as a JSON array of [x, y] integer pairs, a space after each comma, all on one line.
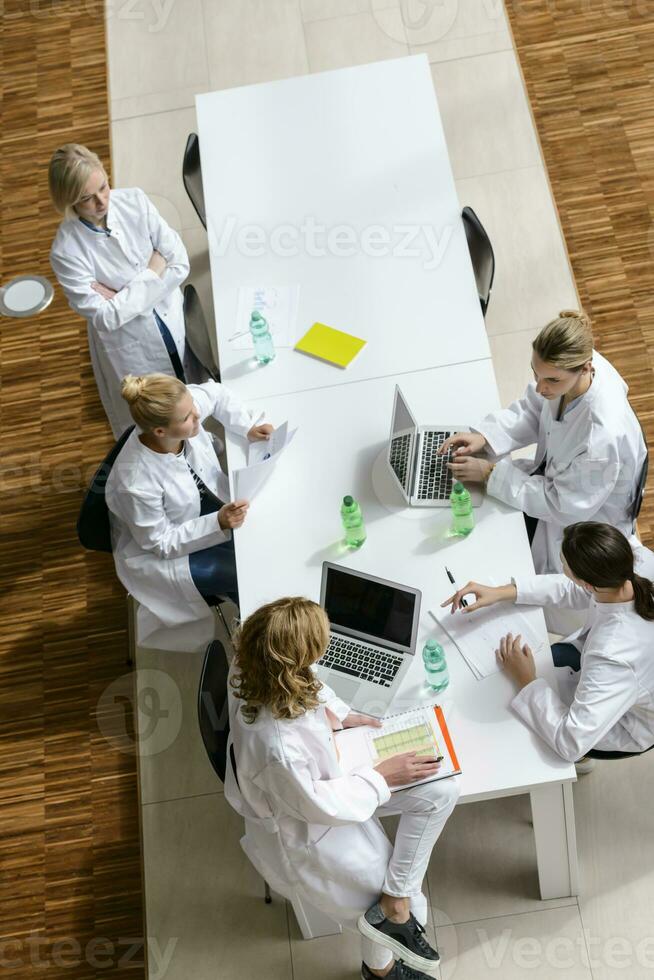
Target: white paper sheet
[[249, 480], [278, 304], [476, 635]]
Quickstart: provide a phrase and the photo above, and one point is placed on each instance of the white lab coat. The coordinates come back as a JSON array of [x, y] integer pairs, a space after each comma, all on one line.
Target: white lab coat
[[595, 455], [609, 704], [122, 332], [154, 507], [310, 827]]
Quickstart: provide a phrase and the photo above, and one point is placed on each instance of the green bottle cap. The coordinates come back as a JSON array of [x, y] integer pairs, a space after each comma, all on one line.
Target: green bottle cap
[[256, 315], [348, 501], [431, 645], [458, 488]]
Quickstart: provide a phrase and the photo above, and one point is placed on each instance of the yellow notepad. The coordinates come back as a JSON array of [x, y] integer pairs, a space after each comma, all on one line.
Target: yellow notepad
[[330, 345]]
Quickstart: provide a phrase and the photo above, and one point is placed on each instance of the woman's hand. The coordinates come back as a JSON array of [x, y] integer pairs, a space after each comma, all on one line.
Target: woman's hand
[[517, 660], [355, 719], [105, 291], [465, 443], [407, 768], [470, 469], [486, 595], [232, 515], [157, 263], [260, 432]]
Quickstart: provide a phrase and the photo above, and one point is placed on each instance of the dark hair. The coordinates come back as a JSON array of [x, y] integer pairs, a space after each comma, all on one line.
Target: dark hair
[[600, 555]]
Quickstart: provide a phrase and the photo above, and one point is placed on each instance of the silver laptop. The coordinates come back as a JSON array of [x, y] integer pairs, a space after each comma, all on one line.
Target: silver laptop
[[422, 475], [374, 626]]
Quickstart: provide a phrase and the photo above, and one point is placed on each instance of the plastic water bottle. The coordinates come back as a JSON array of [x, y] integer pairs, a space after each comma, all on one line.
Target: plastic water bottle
[[264, 349], [463, 516], [355, 532], [433, 657]]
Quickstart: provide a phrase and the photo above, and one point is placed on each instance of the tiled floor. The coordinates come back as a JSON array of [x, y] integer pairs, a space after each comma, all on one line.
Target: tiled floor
[[200, 890]]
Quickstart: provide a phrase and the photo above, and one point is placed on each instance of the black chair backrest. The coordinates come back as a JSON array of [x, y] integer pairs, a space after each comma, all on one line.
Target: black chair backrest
[[93, 525], [481, 255], [192, 176], [601, 754], [213, 714], [197, 333], [640, 490]]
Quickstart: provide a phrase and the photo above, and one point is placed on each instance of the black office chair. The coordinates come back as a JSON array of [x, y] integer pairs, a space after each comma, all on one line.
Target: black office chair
[[192, 176], [213, 716], [640, 490], [481, 255], [197, 333], [599, 754], [93, 526]]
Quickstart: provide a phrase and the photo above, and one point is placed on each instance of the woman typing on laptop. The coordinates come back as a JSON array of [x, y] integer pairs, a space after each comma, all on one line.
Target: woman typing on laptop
[[590, 449], [312, 828]]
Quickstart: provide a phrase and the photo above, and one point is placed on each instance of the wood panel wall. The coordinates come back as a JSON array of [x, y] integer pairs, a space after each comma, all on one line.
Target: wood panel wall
[[69, 839], [69, 845], [589, 71]]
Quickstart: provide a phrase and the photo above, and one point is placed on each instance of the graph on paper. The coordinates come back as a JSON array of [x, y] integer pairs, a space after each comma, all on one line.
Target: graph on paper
[[417, 738]]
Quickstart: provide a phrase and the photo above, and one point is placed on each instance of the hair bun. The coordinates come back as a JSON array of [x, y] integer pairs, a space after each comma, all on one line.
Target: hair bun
[[132, 388], [575, 315]]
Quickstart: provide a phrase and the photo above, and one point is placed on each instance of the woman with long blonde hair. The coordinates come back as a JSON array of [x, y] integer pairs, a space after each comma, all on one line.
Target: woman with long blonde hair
[[590, 450], [120, 266], [312, 827], [168, 499]]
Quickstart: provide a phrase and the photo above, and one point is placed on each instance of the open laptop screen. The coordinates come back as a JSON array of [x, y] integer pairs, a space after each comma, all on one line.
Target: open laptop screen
[[401, 442], [371, 609]]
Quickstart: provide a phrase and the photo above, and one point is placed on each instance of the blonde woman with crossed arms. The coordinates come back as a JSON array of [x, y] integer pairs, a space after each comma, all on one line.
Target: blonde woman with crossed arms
[[590, 449], [120, 266]]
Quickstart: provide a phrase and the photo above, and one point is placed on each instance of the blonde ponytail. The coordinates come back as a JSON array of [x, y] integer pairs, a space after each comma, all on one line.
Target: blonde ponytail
[[152, 399], [566, 342]]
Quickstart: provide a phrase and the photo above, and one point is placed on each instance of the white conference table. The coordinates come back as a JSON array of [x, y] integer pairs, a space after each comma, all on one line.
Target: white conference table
[[294, 525], [361, 153]]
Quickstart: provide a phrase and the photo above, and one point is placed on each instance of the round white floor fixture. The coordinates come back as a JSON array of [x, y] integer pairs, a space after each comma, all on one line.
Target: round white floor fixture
[[25, 296]]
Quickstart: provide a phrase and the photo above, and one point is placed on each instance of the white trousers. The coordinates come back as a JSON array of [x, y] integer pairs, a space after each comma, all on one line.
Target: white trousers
[[423, 813]]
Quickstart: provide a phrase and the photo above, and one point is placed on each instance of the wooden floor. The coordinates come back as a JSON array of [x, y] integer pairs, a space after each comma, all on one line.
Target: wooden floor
[[589, 70], [69, 841], [68, 808]]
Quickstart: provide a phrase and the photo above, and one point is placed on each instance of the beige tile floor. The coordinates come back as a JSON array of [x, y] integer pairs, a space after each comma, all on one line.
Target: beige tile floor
[[204, 903]]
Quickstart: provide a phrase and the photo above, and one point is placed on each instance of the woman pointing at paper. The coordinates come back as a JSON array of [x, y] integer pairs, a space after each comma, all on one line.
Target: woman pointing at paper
[[590, 449], [171, 531], [609, 704], [312, 827]]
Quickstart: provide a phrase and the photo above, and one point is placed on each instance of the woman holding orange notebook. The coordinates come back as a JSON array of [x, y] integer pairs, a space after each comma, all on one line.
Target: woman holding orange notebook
[[312, 828]]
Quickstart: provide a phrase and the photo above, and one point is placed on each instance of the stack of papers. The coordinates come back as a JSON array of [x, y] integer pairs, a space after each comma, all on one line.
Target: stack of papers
[[477, 635], [277, 304], [262, 457]]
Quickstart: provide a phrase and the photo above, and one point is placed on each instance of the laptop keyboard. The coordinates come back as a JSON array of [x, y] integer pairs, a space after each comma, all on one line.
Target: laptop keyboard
[[399, 457], [435, 480], [362, 661]]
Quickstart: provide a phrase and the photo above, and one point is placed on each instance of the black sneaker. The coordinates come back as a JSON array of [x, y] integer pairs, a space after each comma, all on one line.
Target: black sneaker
[[400, 971], [405, 939]]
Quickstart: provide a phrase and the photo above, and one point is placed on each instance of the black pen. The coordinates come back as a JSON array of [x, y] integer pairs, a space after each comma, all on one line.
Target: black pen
[[451, 578]]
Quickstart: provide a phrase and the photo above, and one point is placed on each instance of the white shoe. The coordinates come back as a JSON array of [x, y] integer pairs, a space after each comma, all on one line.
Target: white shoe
[[584, 766]]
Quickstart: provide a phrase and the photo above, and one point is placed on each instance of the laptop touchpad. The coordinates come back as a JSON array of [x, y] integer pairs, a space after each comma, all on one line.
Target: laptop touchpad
[[345, 688]]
